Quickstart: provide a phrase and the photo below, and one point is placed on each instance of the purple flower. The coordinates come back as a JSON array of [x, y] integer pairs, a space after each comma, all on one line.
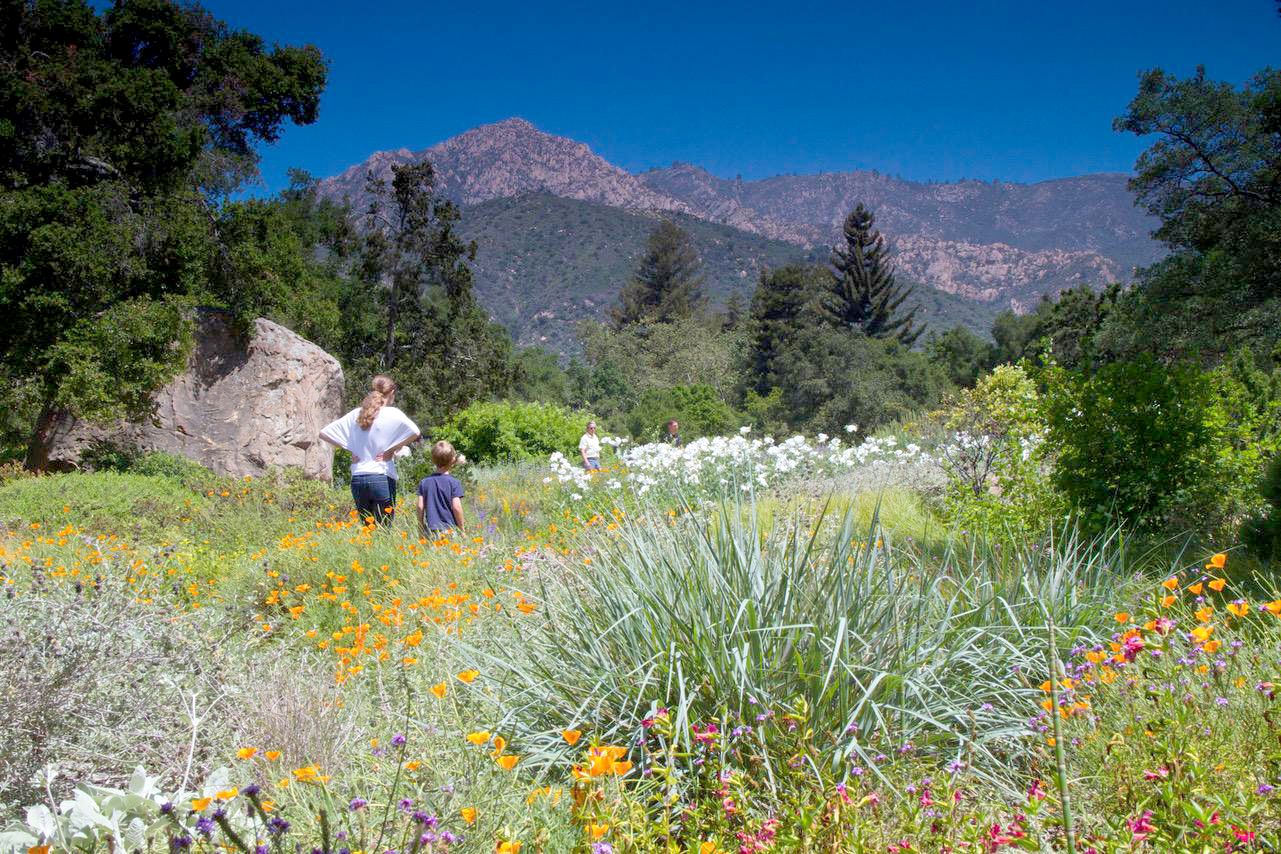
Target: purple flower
[[1222, 701], [358, 804], [397, 740], [857, 771], [166, 808], [406, 804], [602, 847], [204, 826], [251, 790], [1265, 789], [277, 825]]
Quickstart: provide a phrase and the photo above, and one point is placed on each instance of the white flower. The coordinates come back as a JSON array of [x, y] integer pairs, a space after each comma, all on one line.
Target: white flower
[[744, 430], [850, 428], [576, 497]]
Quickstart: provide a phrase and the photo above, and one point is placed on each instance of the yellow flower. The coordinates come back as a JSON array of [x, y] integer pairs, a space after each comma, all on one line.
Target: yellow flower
[[38, 849], [246, 752], [1217, 584], [1238, 609], [596, 831], [412, 765], [468, 676], [1273, 607], [1204, 614], [468, 814], [228, 794], [479, 737], [509, 847], [1167, 601], [1122, 617], [499, 744], [408, 660], [1170, 584], [1217, 562], [1196, 589], [571, 736], [273, 755], [1212, 646], [708, 847], [439, 689], [199, 804], [507, 762]]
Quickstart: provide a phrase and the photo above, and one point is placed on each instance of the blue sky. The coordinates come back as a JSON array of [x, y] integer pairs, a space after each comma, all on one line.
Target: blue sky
[[1019, 91]]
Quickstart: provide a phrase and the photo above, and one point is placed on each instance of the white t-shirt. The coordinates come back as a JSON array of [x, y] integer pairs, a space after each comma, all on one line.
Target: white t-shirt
[[390, 427], [590, 444]]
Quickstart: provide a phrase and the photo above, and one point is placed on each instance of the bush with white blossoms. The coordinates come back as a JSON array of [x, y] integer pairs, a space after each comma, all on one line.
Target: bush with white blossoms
[[719, 465]]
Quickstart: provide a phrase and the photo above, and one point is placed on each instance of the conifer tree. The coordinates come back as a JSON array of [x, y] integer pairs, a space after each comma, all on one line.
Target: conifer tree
[[782, 308], [668, 283], [862, 293]]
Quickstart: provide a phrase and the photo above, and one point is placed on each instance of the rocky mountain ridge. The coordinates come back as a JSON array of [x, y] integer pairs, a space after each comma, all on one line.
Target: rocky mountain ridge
[[1000, 243]]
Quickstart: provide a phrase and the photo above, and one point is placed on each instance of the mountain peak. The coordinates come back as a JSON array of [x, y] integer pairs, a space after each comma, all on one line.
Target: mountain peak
[[509, 158]]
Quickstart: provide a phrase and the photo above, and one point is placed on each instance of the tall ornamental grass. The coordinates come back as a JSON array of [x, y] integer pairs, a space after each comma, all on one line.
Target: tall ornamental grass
[[715, 614]]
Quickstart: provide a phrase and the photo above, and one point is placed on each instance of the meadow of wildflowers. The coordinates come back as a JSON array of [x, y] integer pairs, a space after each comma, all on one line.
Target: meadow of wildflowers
[[738, 645]]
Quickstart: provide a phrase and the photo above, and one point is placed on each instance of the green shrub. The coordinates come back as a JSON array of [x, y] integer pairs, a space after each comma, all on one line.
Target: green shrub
[[1163, 448], [1132, 440], [998, 481], [697, 408], [1262, 534], [509, 431]]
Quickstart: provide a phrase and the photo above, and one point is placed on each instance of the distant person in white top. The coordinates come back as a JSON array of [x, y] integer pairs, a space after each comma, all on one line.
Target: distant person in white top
[[589, 448], [373, 433]]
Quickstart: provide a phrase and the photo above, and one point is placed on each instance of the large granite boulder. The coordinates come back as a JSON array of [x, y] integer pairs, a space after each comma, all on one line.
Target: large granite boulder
[[240, 408]]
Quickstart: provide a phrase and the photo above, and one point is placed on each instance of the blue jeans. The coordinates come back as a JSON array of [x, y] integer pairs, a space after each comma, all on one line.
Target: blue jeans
[[593, 464], [375, 495]]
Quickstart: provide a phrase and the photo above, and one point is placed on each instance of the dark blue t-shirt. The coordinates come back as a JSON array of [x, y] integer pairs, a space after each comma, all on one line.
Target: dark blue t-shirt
[[438, 491]]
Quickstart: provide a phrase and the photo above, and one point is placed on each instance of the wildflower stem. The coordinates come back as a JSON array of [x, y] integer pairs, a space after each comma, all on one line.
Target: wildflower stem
[[230, 833], [1060, 760]]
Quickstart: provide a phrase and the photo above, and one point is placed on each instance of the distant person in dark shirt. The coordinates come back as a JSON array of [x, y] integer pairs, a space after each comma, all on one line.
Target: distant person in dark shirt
[[440, 495], [673, 436]]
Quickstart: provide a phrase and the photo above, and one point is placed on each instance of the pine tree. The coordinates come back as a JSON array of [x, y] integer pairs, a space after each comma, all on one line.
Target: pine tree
[[862, 293], [782, 307], [668, 283]]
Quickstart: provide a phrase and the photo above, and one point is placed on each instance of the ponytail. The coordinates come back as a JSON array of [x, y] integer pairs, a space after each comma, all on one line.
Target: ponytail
[[381, 388]]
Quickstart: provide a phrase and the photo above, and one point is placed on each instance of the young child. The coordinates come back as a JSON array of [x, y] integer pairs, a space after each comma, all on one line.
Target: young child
[[440, 495]]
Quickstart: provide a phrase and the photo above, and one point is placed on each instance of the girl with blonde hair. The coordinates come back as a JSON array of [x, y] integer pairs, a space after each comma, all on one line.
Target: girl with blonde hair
[[373, 432]]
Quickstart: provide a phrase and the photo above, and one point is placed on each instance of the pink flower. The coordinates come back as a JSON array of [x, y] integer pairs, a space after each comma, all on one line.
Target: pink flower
[[1158, 774], [1141, 827], [1036, 792]]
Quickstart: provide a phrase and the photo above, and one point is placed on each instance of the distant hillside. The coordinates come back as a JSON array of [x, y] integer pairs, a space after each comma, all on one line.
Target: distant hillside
[[977, 247], [545, 262]]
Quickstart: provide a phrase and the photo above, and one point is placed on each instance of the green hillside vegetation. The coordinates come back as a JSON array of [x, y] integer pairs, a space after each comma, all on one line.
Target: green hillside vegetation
[[543, 263]]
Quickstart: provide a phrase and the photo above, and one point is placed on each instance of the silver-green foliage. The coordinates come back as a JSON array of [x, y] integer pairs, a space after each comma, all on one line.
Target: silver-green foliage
[[884, 642]]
